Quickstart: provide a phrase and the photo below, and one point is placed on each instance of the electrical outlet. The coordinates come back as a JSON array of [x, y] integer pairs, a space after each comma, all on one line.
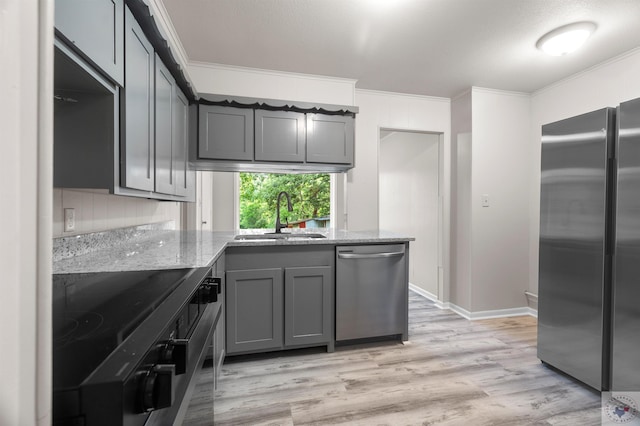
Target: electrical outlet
[[69, 220]]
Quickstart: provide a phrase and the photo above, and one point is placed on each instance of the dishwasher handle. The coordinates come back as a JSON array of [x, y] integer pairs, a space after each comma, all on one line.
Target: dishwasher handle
[[370, 255]]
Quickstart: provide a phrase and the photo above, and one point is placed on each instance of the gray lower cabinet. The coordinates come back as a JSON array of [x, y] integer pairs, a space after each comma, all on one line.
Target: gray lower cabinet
[[307, 305], [279, 298], [279, 136], [138, 136], [254, 310], [330, 139], [95, 28], [225, 133]]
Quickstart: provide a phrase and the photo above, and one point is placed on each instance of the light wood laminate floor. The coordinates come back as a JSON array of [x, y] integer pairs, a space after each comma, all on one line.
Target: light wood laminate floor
[[451, 372]]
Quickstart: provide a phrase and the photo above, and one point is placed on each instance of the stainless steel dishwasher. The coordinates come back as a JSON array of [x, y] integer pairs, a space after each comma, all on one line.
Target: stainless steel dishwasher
[[371, 291]]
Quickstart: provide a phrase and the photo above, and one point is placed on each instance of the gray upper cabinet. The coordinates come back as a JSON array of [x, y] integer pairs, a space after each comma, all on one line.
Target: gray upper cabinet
[[279, 136], [275, 136], [129, 137], [254, 310], [138, 136], [330, 138], [172, 174], [165, 93], [225, 133], [95, 28], [184, 176], [308, 296]]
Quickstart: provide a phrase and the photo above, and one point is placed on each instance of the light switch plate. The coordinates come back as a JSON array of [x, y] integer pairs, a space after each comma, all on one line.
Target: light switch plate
[[485, 200], [69, 220]]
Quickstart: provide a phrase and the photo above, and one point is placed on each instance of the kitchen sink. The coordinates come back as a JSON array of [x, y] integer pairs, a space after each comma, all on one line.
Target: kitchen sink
[[279, 236]]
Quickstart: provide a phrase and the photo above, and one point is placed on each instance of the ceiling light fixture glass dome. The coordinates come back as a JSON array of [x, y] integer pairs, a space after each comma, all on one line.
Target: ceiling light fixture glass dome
[[565, 39]]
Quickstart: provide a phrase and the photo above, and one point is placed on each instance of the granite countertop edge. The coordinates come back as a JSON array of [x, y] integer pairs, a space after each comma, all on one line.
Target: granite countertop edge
[[193, 249]]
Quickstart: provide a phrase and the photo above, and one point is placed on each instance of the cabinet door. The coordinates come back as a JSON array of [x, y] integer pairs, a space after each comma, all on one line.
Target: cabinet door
[[138, 142], [308, 308], [165, 91], [96, 29], [225, 133], [183, 182], [254, 310], [280, 136], [330, 139]]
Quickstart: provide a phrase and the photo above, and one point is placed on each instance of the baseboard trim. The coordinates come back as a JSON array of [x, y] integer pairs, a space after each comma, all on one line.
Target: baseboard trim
[[428, 295], [498, 313]]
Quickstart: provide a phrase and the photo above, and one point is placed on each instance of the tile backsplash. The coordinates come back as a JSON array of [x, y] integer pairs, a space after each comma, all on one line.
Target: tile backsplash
[[97, 210]]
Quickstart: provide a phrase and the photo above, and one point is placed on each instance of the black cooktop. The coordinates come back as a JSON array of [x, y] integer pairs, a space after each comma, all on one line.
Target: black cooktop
[[93, 313]]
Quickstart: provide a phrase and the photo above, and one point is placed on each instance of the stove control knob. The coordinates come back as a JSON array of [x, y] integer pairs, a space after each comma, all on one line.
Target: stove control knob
[[158, 390], [175, 352]]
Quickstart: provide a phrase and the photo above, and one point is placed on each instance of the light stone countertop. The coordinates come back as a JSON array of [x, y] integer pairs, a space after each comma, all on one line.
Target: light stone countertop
[[166, 249]]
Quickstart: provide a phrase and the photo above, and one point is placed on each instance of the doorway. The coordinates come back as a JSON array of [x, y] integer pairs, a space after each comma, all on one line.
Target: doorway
[[409, 201]]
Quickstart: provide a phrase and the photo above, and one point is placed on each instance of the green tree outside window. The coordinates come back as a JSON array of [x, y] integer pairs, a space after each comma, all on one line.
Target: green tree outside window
[[310, 195]]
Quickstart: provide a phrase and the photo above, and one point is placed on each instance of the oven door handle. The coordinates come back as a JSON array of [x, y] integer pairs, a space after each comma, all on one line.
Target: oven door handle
[[179, 354]]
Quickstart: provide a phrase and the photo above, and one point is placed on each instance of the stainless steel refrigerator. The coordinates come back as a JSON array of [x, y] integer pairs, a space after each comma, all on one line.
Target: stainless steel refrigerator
[[576, 229], [625, 359]]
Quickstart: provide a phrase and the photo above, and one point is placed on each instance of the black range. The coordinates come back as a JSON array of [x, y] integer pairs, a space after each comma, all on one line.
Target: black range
[[126, 345]]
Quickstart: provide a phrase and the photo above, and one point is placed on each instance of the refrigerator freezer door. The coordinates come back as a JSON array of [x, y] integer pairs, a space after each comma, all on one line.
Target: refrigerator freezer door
[[626, 311], [573, 284]]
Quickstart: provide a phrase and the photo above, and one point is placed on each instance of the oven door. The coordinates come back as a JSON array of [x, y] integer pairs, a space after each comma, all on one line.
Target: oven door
[[146, 380], [199, 341]]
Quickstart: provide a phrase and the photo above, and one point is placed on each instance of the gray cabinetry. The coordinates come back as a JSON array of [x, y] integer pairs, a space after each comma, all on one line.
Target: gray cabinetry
[[307, 306], [95, 28], [279, 136], [184, 176], [254, 310], [279, 298], [172, 175], [261, 135], [108, 136], [137, 140], [330, 138], [165, 93], [225, 133]]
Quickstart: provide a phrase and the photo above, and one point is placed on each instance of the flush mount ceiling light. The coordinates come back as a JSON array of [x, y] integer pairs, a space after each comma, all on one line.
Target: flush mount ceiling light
[[565, 39]]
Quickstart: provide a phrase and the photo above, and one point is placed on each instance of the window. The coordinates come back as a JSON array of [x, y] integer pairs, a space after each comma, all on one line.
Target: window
[[310, 197]]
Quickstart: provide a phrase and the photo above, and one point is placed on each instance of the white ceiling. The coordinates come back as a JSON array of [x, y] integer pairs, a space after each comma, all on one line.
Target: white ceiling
[[427, 47]]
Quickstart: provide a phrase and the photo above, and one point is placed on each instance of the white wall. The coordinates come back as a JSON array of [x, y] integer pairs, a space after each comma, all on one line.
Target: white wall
[[500, 168], [408, 184], [225, 201], [26, 113], [461, 237], [97, 210], [237, 81], [392, 111], [607, 84], [403, 112]]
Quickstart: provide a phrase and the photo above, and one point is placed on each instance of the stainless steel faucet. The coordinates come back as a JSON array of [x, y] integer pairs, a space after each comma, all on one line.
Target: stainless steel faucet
[[279, 225]]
